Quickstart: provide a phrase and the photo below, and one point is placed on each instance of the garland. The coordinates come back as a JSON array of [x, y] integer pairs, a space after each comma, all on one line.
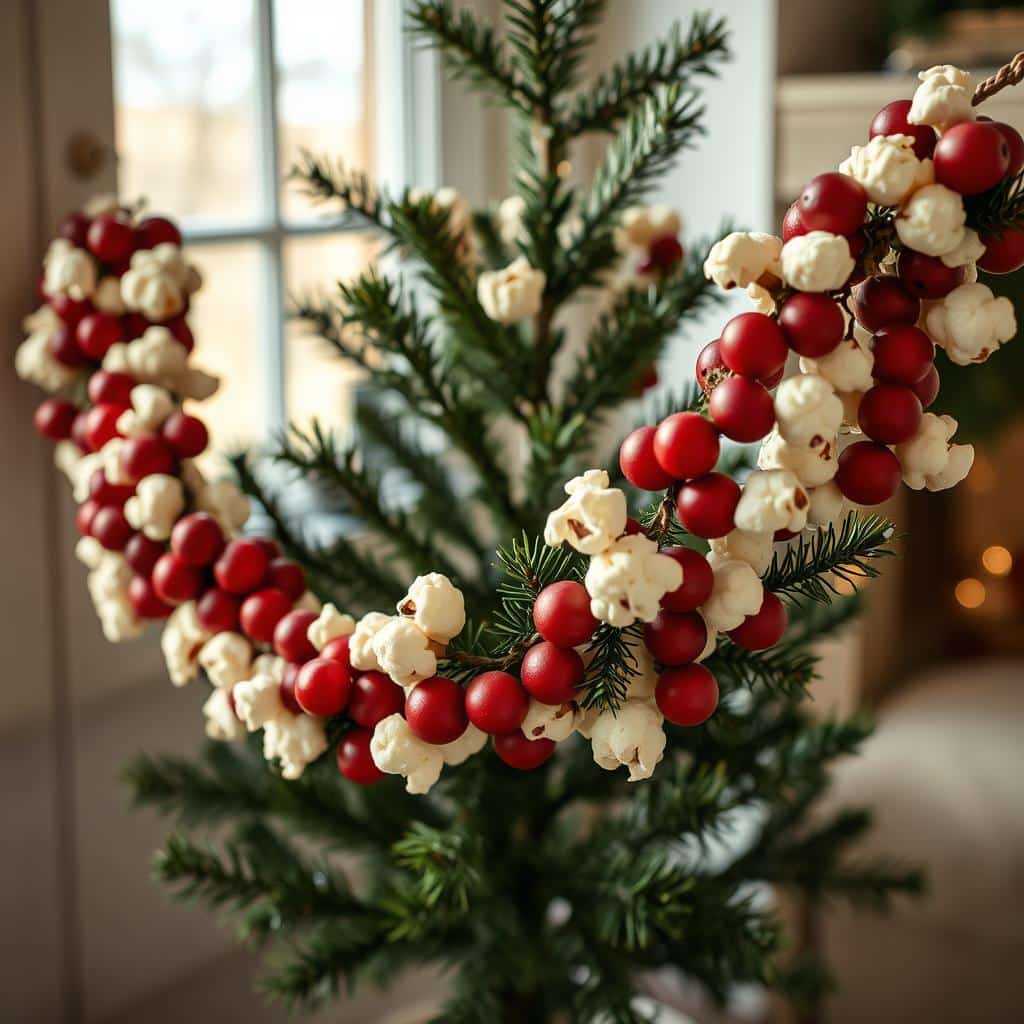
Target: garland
[[612, 624]]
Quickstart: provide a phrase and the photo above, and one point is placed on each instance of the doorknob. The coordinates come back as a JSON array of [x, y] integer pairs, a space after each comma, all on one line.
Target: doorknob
[[87, 155]]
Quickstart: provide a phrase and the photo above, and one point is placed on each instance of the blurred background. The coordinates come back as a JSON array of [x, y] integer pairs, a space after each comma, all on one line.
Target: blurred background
[[201, 107]]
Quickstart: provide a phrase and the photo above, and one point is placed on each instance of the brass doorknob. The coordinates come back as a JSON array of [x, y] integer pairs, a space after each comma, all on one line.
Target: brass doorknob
[[87, 155]]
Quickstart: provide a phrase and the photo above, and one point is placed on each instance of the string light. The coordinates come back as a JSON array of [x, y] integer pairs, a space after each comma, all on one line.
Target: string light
[[997, 560], [970, 593]]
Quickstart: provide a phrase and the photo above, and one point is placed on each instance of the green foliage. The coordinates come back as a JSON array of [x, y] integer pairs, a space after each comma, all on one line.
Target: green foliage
[[999, 210], [469, 876]]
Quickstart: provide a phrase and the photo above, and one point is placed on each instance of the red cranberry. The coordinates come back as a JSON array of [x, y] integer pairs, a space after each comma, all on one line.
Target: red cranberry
[[156, 231], [639, 464], [889, 413], [242, 567], [793, 224], [135, 325], [710, 367], [687, 694], [833, 202], [892, 120], [903, 355], [116, 388], [95, 334], [676, 638], [562, 614], [144, 456], [869, 473], [927, 388], [926, 277], [287, 689], [53, 419], [664, 253], [1015, 143], [753, 345], [881, 301], [197, 539], [698, 579], [1003, 255], [70, 310], [764, 628], [288, 576], [338, 649], [551, 674], [84, 515], [686, 445], [971, 157], [813, 324], [354, 759], [106, 493], [101, 424], [706, 506], [742, 409], [186, 434], [61, 344], [74, 227], [322, 687], [290, 637], [144, 599], [373, 698], [142, 553], [218, 611], [110, 527], [111, 238], [436, 710], [175, 581], [495, 702], [524, 754], [262, 611]]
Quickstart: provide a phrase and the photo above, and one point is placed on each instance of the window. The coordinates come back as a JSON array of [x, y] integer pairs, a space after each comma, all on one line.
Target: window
[[213, 102]]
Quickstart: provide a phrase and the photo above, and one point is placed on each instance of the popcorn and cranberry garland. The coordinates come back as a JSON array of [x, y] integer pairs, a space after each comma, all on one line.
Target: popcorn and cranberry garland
[[875, 267]]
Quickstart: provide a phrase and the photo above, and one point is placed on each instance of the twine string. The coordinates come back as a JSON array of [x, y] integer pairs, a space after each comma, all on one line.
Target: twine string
[[1009, 74]]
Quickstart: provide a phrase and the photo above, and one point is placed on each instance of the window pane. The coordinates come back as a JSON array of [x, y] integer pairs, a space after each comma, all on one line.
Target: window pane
[[230, 325], [185, 107], [319, 383], [321, 87]]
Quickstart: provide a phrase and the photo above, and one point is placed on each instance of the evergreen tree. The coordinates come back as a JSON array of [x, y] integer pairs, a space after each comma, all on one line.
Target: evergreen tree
[[548, 892]]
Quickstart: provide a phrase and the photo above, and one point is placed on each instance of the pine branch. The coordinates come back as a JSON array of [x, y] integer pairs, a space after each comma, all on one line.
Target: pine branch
[[471, 51], [257, 877], [783, 669], [338, 570], [324, 180], [612, 666], [316, 456], [616, 93], [812, 621], [999, 210], [808, 568], [645, 148]]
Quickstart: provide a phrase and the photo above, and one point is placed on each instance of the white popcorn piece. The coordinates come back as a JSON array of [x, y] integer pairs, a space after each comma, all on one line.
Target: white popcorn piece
[[513, 293], [197, 384], [817, 262], [932, 221], [970, 323], [103, 202], [746, 259], [755, 548], [807, 410], [295, 740], [258, 700], [642, 225], [471, 742], [436, 606], [226, 659], [109, 577], [967, 253], [155, 358], [81, 473], [111, 461], [627, 581], [550, 721], [42, 319], [151, 406], [851, 411], [328, 626], [157, 504], [510, 220], [309, 602], [66, 457], [847, 367], [360, 649], [181, 641], [772, 499], [107, 296], [812, 466], [224, 500], [943, 97], [592, 516], [272, 665], [34, 363], [118, 620], [827, 504], [68, 270], [396, 750], [633, 736], [929, 459], [158, 281], [404, 652], [89, 551], [736, 594], [221, 721], [886, 167]]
